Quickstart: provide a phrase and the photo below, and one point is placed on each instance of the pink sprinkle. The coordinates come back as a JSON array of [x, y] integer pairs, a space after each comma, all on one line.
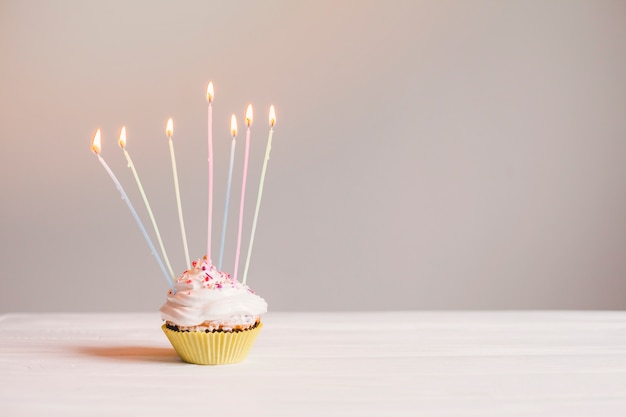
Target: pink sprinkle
[[188, 281], [206, 279]]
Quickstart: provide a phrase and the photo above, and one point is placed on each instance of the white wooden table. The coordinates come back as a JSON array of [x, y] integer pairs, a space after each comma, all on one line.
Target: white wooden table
[[322, 364]]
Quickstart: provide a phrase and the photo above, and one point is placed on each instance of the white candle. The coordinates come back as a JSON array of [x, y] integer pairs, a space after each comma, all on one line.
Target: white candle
[[169, 131]]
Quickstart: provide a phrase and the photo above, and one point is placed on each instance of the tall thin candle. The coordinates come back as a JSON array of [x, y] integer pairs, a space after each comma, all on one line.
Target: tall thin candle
[[95, 147], [268, 148], [209, 97], [122, 143], [233, 131], [169, 131], [243, 189]]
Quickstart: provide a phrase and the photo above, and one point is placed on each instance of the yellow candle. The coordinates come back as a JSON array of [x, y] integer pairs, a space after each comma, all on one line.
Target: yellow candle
[[122, 143], [268, 148]]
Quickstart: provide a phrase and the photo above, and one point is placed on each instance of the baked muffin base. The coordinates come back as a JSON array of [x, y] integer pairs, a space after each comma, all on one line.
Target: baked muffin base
[[203, 347]]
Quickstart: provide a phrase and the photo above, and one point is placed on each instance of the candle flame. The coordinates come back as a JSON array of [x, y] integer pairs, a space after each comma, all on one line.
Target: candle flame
[[249, 115], [169, 130], [272, 116], [233, 125], [123, 137], [209, 92], [96, 143]]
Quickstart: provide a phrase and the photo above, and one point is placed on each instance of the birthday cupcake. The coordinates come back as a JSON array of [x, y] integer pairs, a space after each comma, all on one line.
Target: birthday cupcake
[[210, 318]]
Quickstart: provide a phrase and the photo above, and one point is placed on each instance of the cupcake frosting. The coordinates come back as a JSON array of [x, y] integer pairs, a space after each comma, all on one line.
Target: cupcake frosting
[[204, 294]]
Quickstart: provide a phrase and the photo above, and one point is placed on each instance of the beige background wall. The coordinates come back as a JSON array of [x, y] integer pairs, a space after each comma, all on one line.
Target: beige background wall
[[427, 155]]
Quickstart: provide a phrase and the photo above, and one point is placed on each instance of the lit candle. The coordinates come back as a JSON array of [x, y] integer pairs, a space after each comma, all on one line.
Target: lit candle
[[233, 131], [122, 143], [95, 147], [258, 200], [243, 189], [169, 131], [209, 97]]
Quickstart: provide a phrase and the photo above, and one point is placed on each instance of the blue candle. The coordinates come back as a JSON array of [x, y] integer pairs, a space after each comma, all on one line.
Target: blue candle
[[233, 129], [96, 148]]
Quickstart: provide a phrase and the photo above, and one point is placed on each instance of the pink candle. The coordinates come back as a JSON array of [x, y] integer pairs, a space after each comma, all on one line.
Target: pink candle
[[209, 96], [243, 189]]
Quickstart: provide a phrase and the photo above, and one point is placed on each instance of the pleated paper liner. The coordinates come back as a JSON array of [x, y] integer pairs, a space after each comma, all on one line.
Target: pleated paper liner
[[213, 348]]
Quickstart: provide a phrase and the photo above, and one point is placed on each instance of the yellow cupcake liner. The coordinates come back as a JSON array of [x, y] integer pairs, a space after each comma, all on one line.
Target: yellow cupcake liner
[[213, 348]]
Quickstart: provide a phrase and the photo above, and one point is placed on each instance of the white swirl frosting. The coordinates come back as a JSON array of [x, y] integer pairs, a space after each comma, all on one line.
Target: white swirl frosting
[[205, 294]]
